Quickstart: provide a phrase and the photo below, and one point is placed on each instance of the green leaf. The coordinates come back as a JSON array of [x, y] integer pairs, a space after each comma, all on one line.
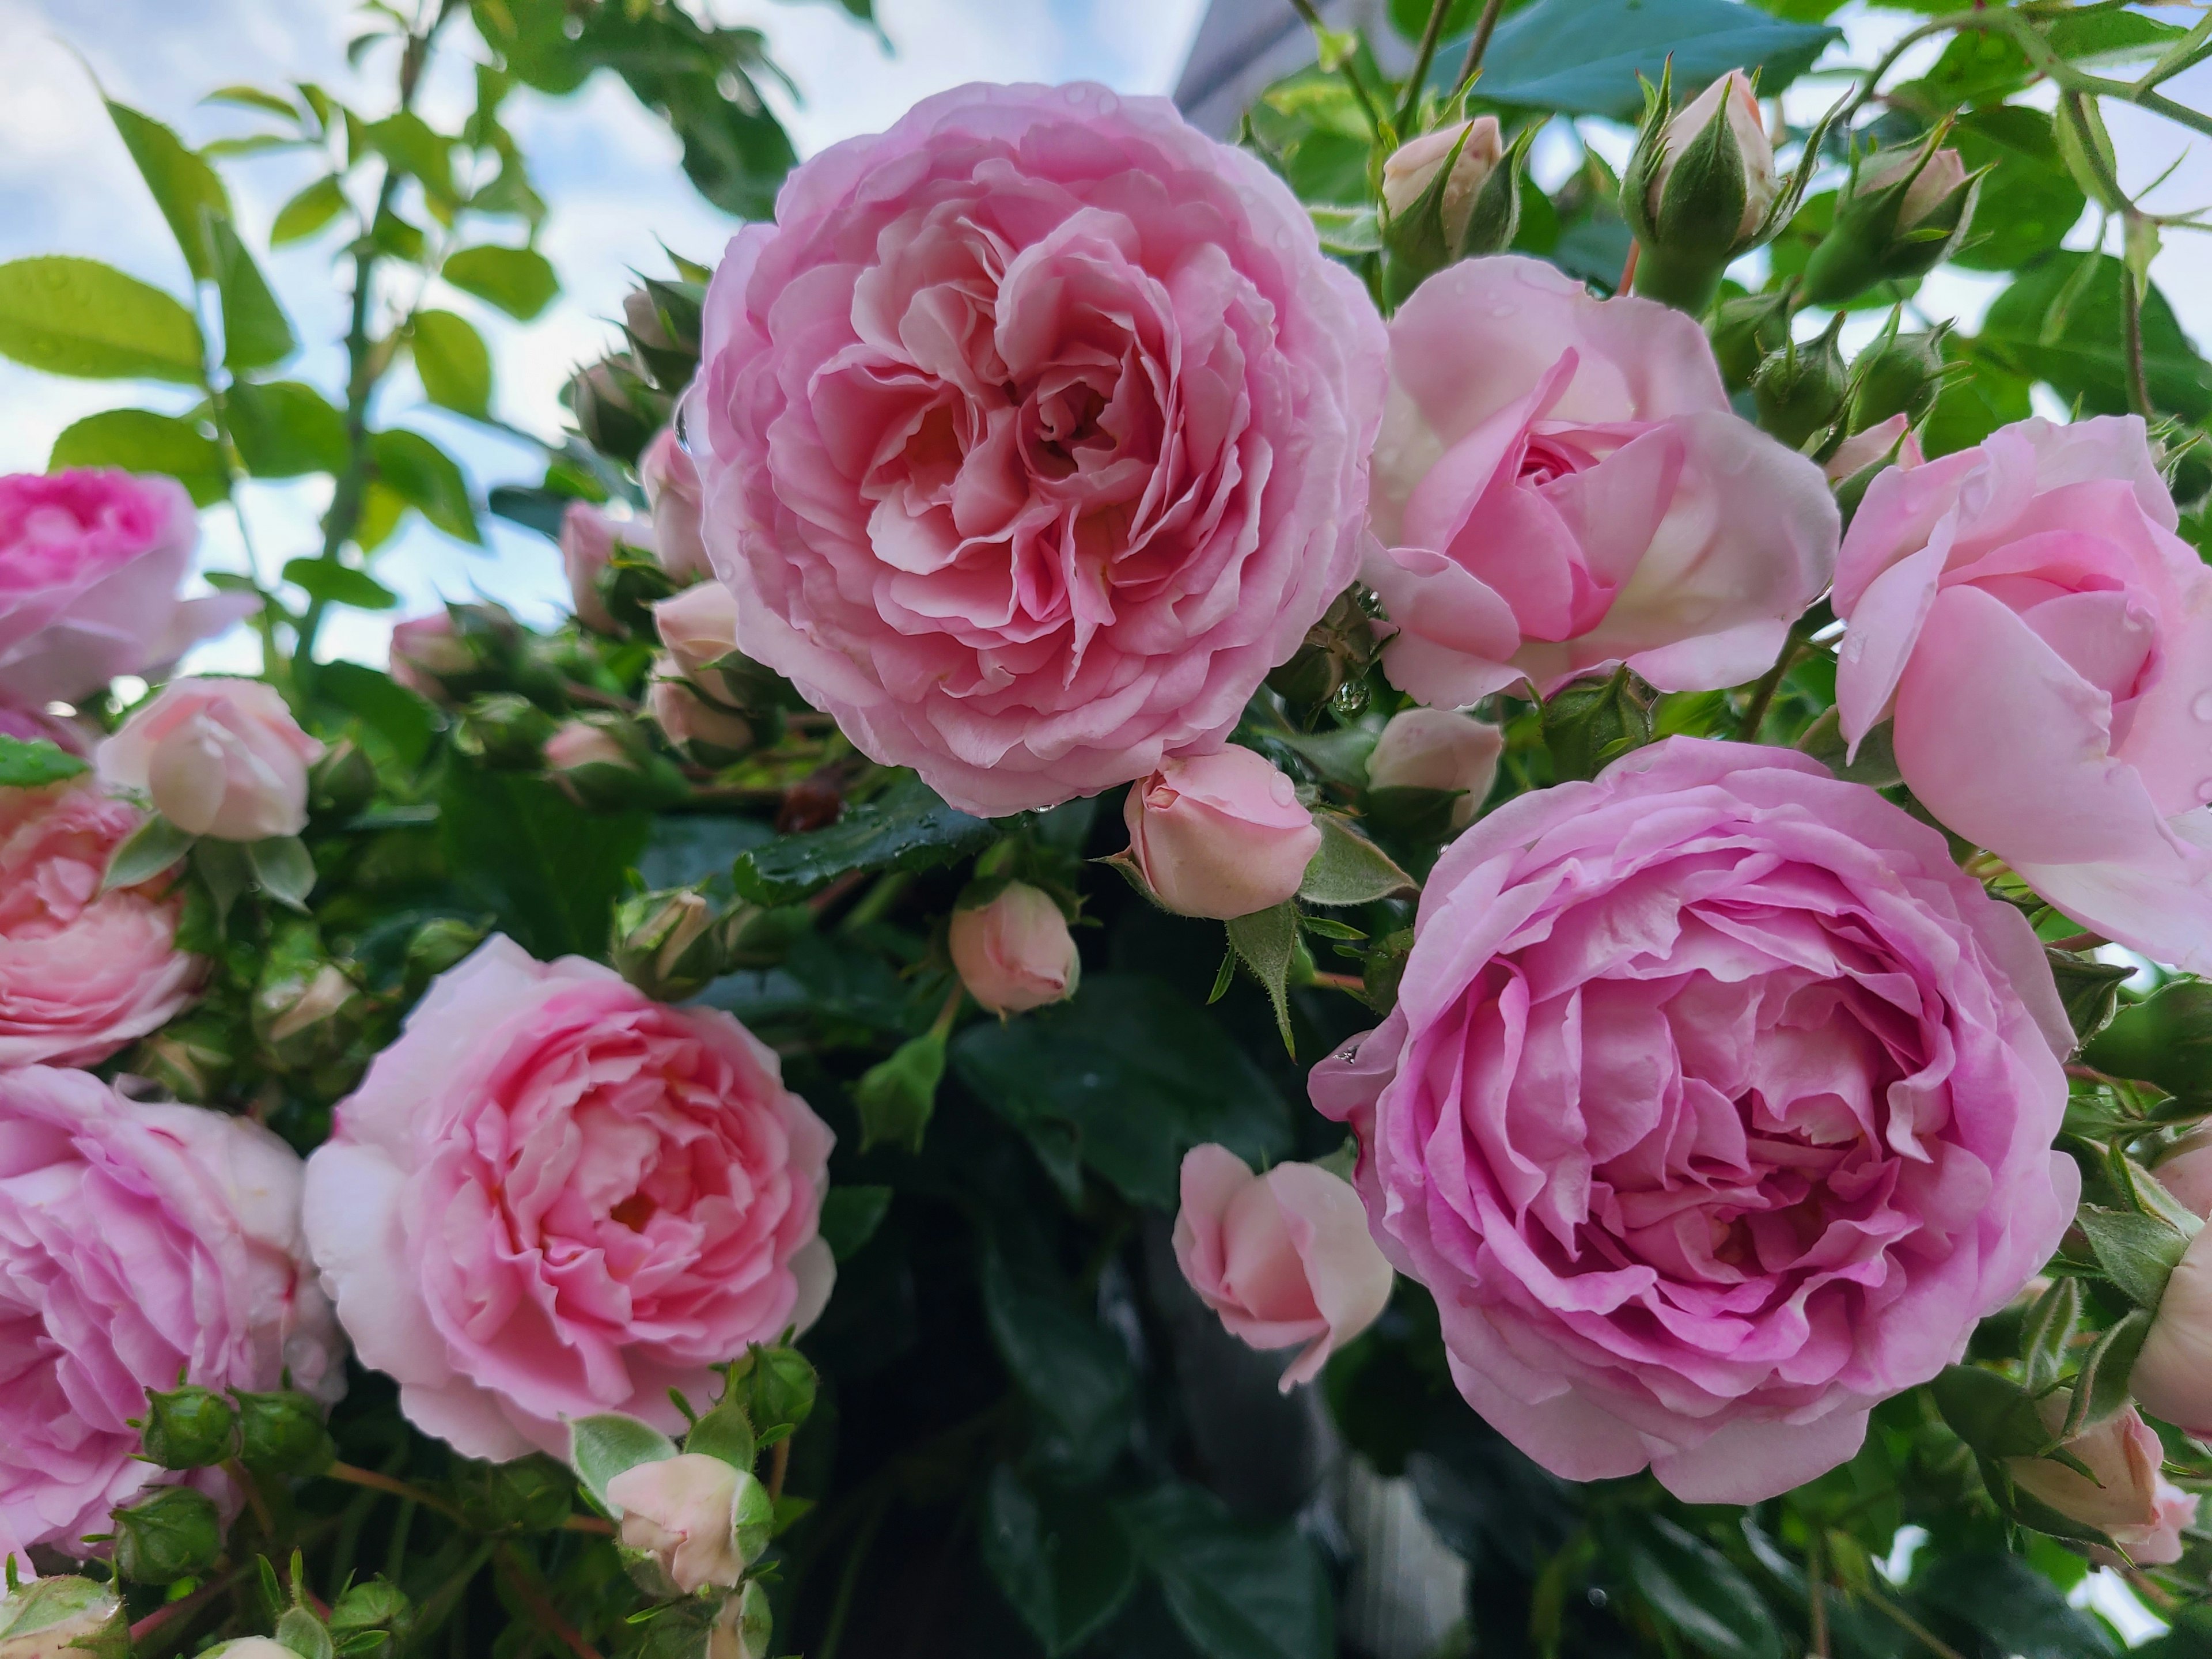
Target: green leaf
[[2138, 1252], [282, 869], [253, 98], [1350, 869], [1348, 230], [2060, 322], [2089, 989], [426, 479], [139, 440], [1064, 1564], [2165, 1039], [1975, 67], [737, 153], [1126, 1077], [907, 827], [520, 281], [1266, 942], [77, 317], [1991, 1413], [304, 1634], [724, 1433], [284, 428], [378, 702], [154, 847], [2049, 1332], [602, 1447], [1075, 1374], [2007, 1605], [255, 333], [1699, 1592], [408, 142], [2101, 1387], [337, 584], [850, 1216], [2109, 37], [897, 1098], [1582, 57], [32, 763], [550, 870], [2028, 201], [1239, 1590], [308, 212], [455, 367], [184, 187], [1973, 404]]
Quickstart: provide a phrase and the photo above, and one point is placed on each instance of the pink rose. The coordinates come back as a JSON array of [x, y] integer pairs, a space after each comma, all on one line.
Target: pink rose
[[424, 651], [217, 758], [36, 725], [1034, 434], [89, 564], [579, 743], [1934, 184], [1886, 441], [1752, 145], [671, 495], [1015, 952], [589, 536], [2045, 641], [2186, 1170], [1285, 1257], [2128, 1499], [686, 718], [1436, 748], [701, 1519], [699, 626], [1717, 1108], [135, 1241], [1413, 166], [1560, 485], [553, 1197], [1220, 835], [81, 972]]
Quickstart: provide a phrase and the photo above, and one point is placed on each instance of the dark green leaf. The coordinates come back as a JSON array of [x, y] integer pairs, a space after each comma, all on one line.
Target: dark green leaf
[[255, 333], [1266, 942], [451, 358], [850, 1216], [1237, 1590], [1699, 1592], [735, 151], [1991, 1413], [549, 869], [308, 212], [2028, 201], [2101, 1387], [1074, 1374], [1127, 1078], [2004, 1601], [541, 510], [2138, 1252], [426, 479], [403, 720], [905, 828], [724, 1432], [2060, 322], [78, 316], [897, 1098], [153, 847], [1065, 1564], [2165, 1039], [283, 428], [139, 440], [1349, 869], [184, 186], [337, 584], [32, 764], [1976, 66], [520, 281], [1973, 404]]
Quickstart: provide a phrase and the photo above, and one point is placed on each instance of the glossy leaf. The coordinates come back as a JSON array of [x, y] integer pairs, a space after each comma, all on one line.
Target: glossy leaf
[[308, 211], [1349, 869], [1074, 1374], [184, 187], [426, 479], [1066, 1565], [409, 144], [1699, 1592], [520, 281], [850, 1216], [139, 440], [2165, 1039], [154, 847], [339, 584], [1237, 1590], [31, 764], [2060, 322], [907, 827], [378, 702], [284, 428], [454, 365], [255, 333], [549, 870], [2028, 201], [77, 317], [282, 869]]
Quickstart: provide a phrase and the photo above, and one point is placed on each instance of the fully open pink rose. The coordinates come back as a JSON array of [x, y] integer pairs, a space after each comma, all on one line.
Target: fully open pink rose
[[134, 1241], [1034, 432], [671, 494], [1716, 1107], [1285, 1257], [1221, 835], [553, 1196], [81, 972], [90, 561], [2045, 641], [1561, 485], [218, 757]]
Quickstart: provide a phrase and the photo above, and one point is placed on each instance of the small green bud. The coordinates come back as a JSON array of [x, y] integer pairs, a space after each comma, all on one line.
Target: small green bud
[[1592, 722], [670, 945], [1898, 374], [283, 1433], [379, 1604], [775, 1386], [306, 1008], [438, 944], [1745, 329], [1905, 213], [172, 1532], [616, 408], [1800, 390], [188, 1428], [64, 1618], [1448, 195], [896, 1096], [604, 761], [743, 1626], [191, 1058], [1337, 650], [1699, 188], [505, 730]]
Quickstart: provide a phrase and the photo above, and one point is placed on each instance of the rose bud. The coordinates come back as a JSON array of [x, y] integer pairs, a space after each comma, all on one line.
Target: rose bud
[[1732, 94], [1898, 375], [1432, 216], [438, 944], [2124, 1496], [709, 733], [1890, 443], [249, 1647], [2173, 1374], [187, 1428], [616, 408], [604, 761], [1414, 164], [1436, 748], [505, 730], [64, 1618], [589, 536], [667, 944], [1285, 1258], [306, 1010], [741, 1630], [671, 493], [1698, 189], [1015, 953], [426, 652], [1905, 213], [1221, 835], [172, 1532], [218, 757], [1800, 390], [2186, 1170], [776, 1385], [379, 1604], [282, 1432], [701, 1522]]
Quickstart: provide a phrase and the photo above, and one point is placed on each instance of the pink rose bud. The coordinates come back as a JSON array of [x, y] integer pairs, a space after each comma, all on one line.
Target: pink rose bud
[[250, 1647], [702, 1520], [218, 757], [1285, 1258], [1015, 953], [2127, 1498], [1413, 168], [1220, 835], [699, 626], [1943, 176], [1759, 184], [424, 651], [1875, 446], [577, 744], [588, 539], [1435, 748], [2172, 1376], [2185, 1171], [689, 720], [671, 491]]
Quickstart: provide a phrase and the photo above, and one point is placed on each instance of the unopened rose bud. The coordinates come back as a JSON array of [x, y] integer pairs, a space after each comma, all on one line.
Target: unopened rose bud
[[2173, 1375], [776, 1385], [589, 536], [1435, 748], [2124, 1494], [1734, 99], [438, 944], [672, 492], [579, 743], [663, 321], [616, 408], [670, 945], [1745, 329], [1325, 669], [218, 757], [344, 781], [505, 730], [1221, 835], [697, 1521], [282, 1432], [1284, 1258], [249, 1647], [190, 1058], [1800, 390], [188, 1428], [711, 734], [1898, 374], [64, 1618], [1905, 211], [604, 761], [2186, 1170], [306, 1008], [1698, 189], [174, 1531], [426, 652], [742, 1629], [1415, 164], [1014, 952], [1592, 722]]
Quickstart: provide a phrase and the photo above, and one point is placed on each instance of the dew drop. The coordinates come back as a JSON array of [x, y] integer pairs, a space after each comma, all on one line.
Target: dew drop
[[2203, 707], [2204, 791]]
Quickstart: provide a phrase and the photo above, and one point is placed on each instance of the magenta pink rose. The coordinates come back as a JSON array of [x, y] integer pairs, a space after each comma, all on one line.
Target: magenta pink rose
[[219, 758], [1560, 485], [1717, 1108], [81, 972], [1033, 434], [2045, 641], [553, 1196], [90, 561], [135, 1242]]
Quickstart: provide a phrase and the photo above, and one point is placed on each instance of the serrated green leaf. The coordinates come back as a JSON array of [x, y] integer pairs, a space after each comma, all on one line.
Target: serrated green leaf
[[1266, 942], [1349, 869], [32, 763], [139, 440], [426, 479], [602, 1447], [455, 367], [907, 827], [549, 870], [255, 333], [308, 211], [184, 187], [2138, 1252], [80, 317], [520, 281], [304, 1634], [1239, 1590], [154, 847], [284, 428]]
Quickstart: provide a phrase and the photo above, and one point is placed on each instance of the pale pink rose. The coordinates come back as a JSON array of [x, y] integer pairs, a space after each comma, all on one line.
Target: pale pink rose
[[1877, 444], [553, 1197], [579, 743], [81, 972], [1220, 835], [1413, 166], [1561, 485], [2124, 1494], [2173, 1376], [683, 1511], [1717, 1108], [1933, 186], [423, 650], [1436, 748], [685, 717], [671, 495], [2186, 1170], [217, 758], [699, 626], [589, 536], [135, 1241], [1015, 952], [1745, 125], [249, 1647], [1033, 434], [1285, 1258], [90, 561], [2045, 641]]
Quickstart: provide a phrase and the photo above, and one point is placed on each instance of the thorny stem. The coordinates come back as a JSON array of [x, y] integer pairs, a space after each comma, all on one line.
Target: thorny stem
[[392, 1485], [1476, 47]]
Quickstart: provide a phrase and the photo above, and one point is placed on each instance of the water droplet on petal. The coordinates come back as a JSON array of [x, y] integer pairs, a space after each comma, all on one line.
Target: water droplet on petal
[[2204, 791], [2203, 707]]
